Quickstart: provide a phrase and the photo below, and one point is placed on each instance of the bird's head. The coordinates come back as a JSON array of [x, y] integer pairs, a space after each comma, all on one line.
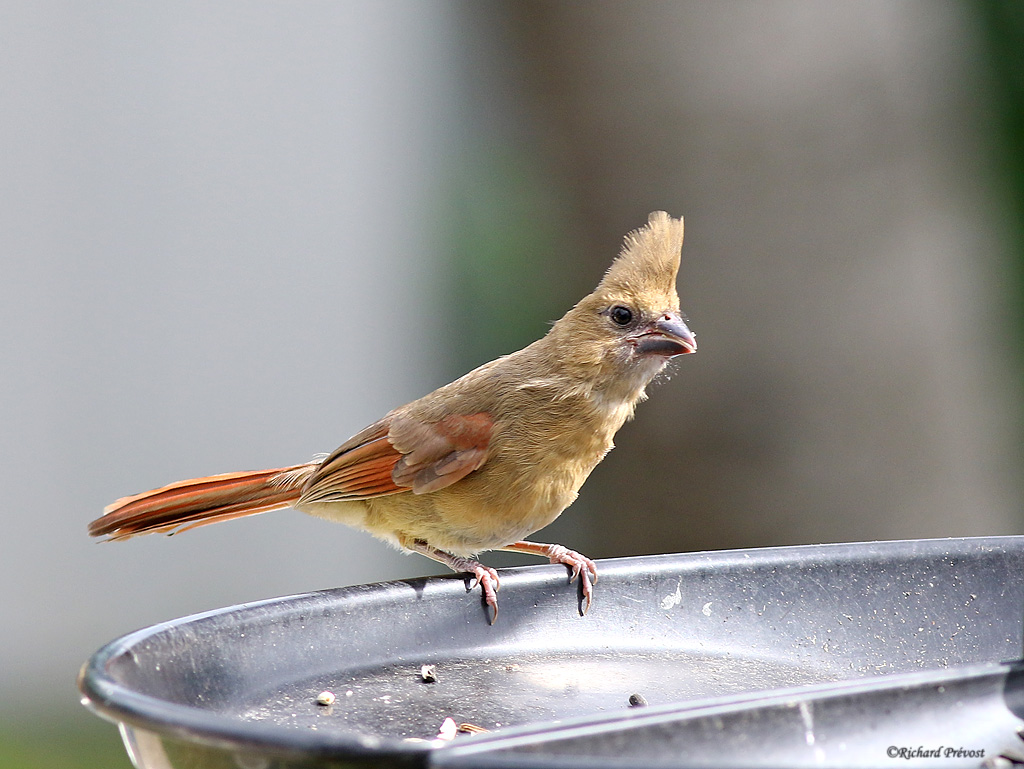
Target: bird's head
[[632, 321]]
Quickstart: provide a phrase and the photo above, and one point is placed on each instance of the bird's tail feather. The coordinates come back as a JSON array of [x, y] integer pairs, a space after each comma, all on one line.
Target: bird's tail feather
[[197, 502]]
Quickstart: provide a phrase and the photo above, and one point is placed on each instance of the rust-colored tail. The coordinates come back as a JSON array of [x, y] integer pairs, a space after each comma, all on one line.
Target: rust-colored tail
[[197, 502]]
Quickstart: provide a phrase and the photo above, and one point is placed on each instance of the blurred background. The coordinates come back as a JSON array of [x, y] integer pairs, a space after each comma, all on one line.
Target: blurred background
[[232, 235]]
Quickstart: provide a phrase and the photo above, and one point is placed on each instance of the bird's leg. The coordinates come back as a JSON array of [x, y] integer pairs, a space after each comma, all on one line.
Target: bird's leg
[[581, 566], [484, 576]]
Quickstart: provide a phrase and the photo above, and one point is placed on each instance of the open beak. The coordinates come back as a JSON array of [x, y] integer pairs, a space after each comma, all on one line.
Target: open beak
[[666, 336]]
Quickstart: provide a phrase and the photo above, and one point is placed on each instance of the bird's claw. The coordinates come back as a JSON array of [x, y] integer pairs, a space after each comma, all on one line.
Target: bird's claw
[[581, 566], [484, 576], [487, 579]]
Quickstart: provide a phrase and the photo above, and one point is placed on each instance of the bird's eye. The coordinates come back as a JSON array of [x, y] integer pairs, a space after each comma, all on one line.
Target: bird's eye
[[621, 316]]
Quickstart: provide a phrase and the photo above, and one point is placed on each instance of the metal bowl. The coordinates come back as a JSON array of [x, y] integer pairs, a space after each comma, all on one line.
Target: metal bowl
[[796, 656]]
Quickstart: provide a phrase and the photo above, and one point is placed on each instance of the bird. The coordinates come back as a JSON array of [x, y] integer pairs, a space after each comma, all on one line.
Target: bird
[[483, 462]]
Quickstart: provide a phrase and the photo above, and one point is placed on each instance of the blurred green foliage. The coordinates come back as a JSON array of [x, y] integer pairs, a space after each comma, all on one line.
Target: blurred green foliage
[[510, 273], [1002, 35], [63, 738]]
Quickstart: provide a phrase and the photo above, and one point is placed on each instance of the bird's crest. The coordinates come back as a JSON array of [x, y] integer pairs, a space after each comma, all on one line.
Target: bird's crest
[[649, 260]]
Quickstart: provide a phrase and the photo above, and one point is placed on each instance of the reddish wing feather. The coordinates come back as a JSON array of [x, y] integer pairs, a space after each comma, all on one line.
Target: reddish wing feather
[[399, 454], [358, 469], [439, 454]]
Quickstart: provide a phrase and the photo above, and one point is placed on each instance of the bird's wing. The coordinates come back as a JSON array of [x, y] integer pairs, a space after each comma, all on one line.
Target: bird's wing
[[437, 454], [400, 453]]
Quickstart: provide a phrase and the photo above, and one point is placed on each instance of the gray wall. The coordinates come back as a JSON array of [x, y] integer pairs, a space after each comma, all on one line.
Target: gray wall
[[219, 246]]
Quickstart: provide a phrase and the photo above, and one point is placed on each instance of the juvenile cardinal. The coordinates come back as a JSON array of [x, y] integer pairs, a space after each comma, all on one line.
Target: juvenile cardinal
[[482, 462]]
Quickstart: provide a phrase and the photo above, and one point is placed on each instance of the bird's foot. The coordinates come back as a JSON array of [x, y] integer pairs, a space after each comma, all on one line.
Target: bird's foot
[[484, 576], [581, 566]]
